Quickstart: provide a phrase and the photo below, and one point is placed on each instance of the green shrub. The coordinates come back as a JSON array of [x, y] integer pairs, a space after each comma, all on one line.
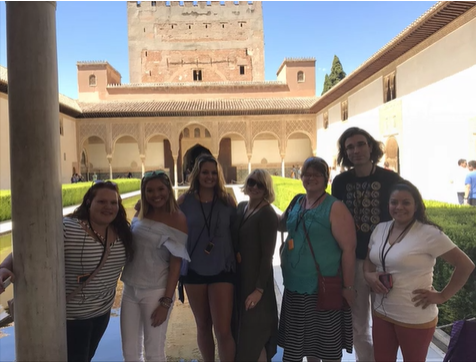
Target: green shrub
[[458, 222], [72, 194]]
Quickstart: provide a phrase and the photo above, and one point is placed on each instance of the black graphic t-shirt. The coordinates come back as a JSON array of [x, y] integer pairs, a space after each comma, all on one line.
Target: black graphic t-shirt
[[367, 200]]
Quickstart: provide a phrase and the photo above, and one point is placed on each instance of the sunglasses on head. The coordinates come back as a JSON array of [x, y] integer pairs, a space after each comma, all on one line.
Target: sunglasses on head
[[105, 183], [252, 182], [154, 173]]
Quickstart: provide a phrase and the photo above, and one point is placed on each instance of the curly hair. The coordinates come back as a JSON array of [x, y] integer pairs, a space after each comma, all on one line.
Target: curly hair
[[420, 212], [220, 189], [120, 224], [378, 149]]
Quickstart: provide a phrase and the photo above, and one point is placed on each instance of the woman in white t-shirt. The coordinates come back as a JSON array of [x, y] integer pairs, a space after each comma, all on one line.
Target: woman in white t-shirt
[[399, 269]]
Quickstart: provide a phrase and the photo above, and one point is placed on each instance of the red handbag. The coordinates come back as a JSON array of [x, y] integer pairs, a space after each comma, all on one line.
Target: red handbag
[[329, 291]]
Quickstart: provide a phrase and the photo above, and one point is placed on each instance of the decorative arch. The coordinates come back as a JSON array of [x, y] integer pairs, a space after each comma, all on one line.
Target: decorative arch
[[118, 137], [266, 132], [85, 138]]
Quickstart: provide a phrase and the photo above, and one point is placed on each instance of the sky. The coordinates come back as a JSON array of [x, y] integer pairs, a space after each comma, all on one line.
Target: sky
[[352, 30]]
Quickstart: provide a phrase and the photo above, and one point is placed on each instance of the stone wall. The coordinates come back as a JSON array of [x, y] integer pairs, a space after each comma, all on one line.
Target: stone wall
[[167, 41]]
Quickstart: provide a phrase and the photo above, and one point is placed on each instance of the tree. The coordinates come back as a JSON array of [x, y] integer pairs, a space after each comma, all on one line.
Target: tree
[[337, 74]]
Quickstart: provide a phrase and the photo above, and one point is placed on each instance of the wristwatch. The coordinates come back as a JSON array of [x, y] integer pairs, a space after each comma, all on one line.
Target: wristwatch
[[350, 287]]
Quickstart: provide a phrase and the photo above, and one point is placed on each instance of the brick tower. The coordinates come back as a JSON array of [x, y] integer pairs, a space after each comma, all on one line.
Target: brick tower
[[195, 41]]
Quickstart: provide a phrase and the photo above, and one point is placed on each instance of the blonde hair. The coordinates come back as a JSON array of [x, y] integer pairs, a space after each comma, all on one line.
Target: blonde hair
[[220, 189], [263, 176], [171, 206]]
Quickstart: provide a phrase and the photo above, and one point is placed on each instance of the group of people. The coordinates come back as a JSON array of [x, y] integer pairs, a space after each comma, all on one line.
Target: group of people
[[372, 233], [465, 182]]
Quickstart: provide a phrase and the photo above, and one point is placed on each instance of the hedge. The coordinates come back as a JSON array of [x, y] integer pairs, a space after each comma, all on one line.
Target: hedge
[[458, 222], [72, 194]]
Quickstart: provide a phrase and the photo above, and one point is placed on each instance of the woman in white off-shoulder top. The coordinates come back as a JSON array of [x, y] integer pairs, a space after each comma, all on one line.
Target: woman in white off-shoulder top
[[159, 240]]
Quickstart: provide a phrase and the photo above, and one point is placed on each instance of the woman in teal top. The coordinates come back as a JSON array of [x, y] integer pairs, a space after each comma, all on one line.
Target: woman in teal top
[[305, 331]]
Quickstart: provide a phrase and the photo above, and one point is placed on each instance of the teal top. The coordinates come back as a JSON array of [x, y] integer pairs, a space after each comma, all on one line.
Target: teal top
[[299, 269]]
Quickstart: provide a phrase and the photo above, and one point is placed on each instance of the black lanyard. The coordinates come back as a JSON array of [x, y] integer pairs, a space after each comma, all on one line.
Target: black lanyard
[[303, 212], [383, 254], [243, 219], [208, 219]]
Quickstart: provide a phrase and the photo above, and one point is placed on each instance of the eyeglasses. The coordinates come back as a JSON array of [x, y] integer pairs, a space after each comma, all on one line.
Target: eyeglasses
[[360, 144], [311, 175], [252, 182]]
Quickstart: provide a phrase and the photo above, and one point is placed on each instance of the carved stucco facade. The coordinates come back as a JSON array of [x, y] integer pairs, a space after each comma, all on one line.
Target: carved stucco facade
[[247, 128]]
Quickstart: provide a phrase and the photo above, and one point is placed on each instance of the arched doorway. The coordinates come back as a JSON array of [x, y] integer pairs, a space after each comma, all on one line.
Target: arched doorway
[[190, 157], [392, 152]]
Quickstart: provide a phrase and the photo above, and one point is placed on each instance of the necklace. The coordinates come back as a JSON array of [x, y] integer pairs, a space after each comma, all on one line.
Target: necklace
[[101, 239], [303, 210], [253, 211]]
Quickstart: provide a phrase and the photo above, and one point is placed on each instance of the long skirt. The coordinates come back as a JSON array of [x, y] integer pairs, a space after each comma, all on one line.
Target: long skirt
[[306, 332]]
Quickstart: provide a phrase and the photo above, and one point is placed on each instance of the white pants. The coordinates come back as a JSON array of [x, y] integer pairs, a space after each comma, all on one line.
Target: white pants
[[138, 336], [363, 345]]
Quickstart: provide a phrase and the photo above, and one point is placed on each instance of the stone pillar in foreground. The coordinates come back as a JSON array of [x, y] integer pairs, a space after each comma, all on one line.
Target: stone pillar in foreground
[[38, 250]]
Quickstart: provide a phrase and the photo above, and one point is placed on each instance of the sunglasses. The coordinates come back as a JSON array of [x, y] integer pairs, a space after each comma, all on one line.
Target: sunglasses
[[154, 173], [105, 183], [252, 182]]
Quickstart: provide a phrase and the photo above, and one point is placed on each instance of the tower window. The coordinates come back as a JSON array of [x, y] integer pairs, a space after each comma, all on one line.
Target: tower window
[[242, 69], [300, 77], [92, 80], [154, 3], [197, 75]]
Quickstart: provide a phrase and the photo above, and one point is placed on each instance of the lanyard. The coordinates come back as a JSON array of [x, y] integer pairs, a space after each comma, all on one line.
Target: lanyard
[[208, 219], [383, 254], [303, 212], [243, 219]]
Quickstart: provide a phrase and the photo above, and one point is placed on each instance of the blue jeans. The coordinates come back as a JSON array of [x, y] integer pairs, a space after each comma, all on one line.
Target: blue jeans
[[83, 336]]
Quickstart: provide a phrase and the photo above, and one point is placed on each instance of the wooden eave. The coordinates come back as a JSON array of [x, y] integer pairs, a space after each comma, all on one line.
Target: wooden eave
[[440, 15]]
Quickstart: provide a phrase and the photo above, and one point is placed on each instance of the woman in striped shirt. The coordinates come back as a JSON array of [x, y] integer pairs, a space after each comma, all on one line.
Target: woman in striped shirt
[[98, 224]]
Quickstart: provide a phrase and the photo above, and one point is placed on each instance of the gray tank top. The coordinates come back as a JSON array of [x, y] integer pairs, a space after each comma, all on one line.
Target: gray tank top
[[209, 222]]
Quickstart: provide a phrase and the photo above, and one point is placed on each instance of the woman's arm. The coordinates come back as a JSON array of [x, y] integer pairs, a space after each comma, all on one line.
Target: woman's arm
[[371, 276], [267, 233], [343, 230], [463, 267], [160, 313], [6, 270]]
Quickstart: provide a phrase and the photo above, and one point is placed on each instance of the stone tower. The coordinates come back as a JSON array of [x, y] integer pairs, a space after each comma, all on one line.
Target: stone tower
[[195, 41]]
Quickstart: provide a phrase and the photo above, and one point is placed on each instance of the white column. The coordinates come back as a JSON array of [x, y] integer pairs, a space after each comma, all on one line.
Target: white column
[[283, 170], [109, 160], [175, 172], [142, 159], [40, 306]]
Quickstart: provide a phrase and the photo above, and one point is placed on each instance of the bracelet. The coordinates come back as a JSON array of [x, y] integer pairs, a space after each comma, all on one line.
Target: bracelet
[[259, 290], [165, 302], [351, 287]]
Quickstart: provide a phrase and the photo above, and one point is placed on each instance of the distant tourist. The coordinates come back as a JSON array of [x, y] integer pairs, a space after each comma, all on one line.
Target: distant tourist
[[459, 180], [399, 269], [129, 175], [365, 189], [470, 183], [95, 177]]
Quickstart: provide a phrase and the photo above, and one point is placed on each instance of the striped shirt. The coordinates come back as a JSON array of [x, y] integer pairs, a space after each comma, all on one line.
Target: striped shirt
[[82, 255]]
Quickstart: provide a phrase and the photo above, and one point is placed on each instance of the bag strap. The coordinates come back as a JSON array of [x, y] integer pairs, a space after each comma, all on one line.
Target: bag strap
[[107, 249], [312, 250], [285, 216]]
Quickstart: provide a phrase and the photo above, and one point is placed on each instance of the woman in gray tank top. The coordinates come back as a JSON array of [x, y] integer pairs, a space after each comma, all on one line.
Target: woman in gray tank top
[[209, 281]]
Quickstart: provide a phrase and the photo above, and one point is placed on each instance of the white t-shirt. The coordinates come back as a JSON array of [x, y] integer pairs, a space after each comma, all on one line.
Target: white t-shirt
[[411, 264]]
